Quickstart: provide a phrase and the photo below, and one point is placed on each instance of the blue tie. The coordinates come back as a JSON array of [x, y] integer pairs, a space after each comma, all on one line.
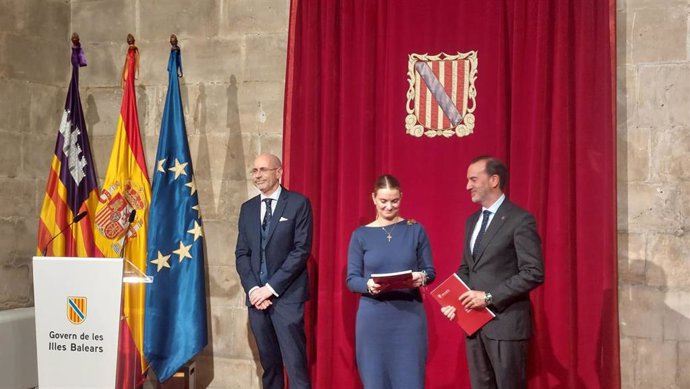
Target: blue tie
[[485, 220], [267, 215], [263, 269]]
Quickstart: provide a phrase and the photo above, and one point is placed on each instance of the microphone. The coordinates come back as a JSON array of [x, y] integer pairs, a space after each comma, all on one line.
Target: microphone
[[132, 216], [131, 273], [75, 220]]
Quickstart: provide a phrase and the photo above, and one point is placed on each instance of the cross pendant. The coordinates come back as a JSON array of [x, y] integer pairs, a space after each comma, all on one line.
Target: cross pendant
[[389, 237]]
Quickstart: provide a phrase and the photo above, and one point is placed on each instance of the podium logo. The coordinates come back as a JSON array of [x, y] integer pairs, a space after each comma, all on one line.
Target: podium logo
[[76, 309]]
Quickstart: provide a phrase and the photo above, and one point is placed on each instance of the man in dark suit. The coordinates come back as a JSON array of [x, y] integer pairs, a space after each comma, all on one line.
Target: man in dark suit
[[273, 244], [501, 263]]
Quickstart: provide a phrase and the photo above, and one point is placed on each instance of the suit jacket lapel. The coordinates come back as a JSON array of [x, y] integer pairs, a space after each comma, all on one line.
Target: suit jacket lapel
[[469, 229], [496, 223], [255, 221], [275, 218]]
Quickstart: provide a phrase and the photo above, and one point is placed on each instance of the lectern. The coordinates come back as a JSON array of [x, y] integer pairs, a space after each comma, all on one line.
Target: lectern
[[78, 307]]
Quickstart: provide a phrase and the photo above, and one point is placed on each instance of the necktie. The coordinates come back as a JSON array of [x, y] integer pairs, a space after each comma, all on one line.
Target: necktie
[[263, 271], [482, 230], [267, 215]]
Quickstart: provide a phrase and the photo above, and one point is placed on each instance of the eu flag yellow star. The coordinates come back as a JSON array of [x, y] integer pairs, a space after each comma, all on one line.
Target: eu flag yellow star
[[179, 168], [183, 251], [196, 231], [161, 261]]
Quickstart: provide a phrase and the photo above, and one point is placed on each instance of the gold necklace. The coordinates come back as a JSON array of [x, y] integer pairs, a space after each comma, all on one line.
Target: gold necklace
[[389, 234]]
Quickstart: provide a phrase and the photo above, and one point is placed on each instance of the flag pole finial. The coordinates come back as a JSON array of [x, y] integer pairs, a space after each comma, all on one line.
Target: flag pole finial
[[173, 42], [134, 50], [78, 58], [175, 51], [75, 40]]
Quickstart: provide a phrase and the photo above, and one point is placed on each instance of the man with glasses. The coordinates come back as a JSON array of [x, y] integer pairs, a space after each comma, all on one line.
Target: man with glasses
[[273, 244]]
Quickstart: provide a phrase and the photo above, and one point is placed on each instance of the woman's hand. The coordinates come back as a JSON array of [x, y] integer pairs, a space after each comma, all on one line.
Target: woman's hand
[[448, 311], [418, 279], [373, 287]]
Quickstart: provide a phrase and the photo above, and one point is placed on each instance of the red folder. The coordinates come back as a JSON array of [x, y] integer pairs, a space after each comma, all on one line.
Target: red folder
[[449, 292], [397, 280]]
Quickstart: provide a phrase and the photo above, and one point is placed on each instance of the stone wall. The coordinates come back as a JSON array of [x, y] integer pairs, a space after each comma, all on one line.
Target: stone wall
[[233, 54], [654, 192], [34, 72], [233, 58]]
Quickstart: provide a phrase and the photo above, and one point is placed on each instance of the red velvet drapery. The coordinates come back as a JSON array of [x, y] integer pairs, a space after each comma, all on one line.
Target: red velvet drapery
[[544, 105]]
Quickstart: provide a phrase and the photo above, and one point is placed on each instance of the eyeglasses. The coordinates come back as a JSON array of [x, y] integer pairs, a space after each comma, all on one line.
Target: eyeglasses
[[262, 171]]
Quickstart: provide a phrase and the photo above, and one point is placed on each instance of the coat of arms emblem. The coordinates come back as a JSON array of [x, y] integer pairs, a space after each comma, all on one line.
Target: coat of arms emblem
[[441, 97], [76, 309], [116, 204]]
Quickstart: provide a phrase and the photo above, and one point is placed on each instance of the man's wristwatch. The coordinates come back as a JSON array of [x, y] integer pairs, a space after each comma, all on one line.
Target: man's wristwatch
[[488, 299]]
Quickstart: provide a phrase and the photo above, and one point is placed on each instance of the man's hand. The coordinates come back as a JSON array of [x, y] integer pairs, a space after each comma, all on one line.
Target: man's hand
[[473, 299], [260, 295], [263, 305]]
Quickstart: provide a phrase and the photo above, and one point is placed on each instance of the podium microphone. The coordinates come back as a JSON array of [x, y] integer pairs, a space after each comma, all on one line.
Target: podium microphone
[[132, 216], [131, 273], [75, 220]]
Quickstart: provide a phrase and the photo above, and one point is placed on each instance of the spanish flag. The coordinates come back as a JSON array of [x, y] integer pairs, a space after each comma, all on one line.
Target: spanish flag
[[126, 189], [69, 204]]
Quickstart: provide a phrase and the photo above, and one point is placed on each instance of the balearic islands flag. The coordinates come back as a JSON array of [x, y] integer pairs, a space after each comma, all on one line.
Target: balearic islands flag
[[72, 187], [126, 188], [175, 325]]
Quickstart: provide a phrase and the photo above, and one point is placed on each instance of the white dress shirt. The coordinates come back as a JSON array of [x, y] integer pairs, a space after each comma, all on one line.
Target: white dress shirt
[[274, 196], [493, 208]]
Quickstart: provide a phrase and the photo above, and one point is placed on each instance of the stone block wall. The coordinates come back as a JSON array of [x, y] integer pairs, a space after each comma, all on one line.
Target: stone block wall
[[233, 54], [34, 72], [233, 59], [654, 192]]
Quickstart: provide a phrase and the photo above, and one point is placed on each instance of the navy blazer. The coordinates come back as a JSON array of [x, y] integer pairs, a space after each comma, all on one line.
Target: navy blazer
[[508, 264], [288, 246]]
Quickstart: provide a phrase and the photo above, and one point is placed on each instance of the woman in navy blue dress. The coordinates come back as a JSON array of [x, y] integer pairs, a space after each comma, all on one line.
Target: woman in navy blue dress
[[391, 328]]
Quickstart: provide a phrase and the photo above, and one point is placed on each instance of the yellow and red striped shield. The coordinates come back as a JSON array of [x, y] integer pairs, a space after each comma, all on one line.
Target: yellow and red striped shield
[[441, 96], [76, 309]]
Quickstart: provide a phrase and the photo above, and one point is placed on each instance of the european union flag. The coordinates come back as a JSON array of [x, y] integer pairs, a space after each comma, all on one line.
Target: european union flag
[[175, 315]]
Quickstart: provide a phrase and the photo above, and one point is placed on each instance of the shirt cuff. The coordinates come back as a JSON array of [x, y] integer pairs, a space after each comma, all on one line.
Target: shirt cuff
[[271, 289], [252, 290]]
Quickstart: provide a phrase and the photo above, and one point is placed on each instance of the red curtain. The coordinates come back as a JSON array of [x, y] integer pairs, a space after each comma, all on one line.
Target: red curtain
[[544, 104]]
